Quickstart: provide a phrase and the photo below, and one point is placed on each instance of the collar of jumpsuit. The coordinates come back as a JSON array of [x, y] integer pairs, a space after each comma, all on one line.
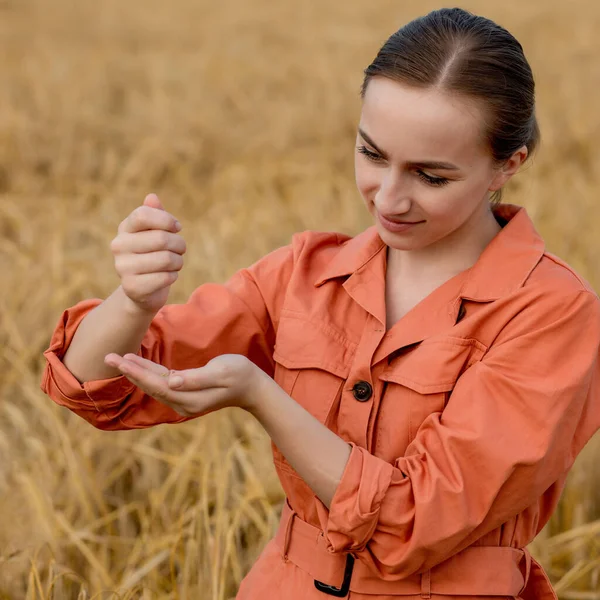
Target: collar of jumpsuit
[[403, 380], [503, 266]]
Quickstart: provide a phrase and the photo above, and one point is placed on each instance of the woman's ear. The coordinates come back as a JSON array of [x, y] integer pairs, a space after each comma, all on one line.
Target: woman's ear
[[509, 168]]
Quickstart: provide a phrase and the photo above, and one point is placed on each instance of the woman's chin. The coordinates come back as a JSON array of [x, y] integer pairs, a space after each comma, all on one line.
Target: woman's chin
[[397, 241]]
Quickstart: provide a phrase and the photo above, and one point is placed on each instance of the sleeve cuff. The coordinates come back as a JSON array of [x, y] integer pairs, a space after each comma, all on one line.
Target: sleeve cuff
[[62, 386], [354, 511]]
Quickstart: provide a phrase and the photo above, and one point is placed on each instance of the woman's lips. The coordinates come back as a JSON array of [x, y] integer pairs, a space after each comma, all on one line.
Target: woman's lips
[[396, 226]]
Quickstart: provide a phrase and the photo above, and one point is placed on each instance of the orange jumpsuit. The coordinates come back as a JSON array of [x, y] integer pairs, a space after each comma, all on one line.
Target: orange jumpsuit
[[464, 418]]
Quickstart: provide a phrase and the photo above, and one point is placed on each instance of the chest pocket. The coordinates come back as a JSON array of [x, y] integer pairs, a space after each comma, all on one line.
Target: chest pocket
[[424, 378], [312, 362]]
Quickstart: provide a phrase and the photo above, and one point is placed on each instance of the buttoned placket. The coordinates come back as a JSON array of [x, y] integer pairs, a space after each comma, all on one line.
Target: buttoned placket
[[355, 417]]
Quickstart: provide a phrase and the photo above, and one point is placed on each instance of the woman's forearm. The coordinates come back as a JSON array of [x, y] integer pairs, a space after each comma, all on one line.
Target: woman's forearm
[[317, 454], [117, 326]]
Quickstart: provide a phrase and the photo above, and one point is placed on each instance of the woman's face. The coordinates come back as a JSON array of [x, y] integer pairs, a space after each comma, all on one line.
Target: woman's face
[[402, 129]]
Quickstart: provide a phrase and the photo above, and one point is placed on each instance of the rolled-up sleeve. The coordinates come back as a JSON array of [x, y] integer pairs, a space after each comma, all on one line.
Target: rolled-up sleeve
[[237, 317], [513, 426]]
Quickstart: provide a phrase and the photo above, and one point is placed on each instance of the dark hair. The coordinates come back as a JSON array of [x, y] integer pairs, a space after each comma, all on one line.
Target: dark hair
[[462, 53]]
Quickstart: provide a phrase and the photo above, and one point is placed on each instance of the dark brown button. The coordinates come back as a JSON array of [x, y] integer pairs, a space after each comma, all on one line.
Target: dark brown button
[[362, 391]]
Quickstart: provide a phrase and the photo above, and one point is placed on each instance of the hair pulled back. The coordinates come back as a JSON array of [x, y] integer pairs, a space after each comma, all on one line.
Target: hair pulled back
[[461, 53]]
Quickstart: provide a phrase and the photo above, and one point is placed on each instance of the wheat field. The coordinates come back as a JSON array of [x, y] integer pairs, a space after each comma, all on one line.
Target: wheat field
[[241, 116]]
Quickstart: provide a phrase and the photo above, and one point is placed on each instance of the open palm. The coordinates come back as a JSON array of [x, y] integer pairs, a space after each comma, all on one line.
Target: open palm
[[224, 381]]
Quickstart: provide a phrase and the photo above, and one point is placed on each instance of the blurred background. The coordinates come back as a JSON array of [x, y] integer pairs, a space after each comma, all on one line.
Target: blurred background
[[241, 115]]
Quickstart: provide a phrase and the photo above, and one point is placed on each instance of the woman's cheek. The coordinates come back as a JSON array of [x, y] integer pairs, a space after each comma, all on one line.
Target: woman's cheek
[[448, 213]]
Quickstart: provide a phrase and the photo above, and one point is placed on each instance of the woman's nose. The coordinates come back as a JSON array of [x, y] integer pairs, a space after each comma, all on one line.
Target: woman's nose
[[393, 197]]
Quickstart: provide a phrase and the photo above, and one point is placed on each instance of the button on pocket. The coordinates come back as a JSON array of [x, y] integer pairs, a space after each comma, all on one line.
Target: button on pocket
[[362, 391]]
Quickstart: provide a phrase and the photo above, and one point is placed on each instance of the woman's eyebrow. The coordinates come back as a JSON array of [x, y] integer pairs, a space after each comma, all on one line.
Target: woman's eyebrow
[[427, 164]]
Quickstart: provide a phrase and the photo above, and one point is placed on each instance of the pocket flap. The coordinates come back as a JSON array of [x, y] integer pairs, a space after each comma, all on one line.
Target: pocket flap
[[303, 344], [434, 366]]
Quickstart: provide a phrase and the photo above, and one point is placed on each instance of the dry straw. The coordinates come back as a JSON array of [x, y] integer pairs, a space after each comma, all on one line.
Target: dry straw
[[242, 118]]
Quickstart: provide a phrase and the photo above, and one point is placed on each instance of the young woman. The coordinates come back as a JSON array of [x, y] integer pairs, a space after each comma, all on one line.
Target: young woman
[[426, 384]]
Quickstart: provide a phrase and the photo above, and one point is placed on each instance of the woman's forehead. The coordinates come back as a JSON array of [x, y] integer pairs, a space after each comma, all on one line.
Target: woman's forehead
[[418, 123]]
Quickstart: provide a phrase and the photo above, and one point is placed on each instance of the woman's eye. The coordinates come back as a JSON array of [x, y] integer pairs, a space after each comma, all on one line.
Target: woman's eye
[[436, 181], [370, 155], [429, 179]]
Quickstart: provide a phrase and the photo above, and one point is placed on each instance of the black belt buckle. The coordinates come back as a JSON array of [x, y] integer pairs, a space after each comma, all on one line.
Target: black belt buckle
[[343, 591]]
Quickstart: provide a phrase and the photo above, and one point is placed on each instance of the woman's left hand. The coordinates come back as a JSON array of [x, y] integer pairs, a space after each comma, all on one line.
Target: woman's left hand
[[226, 380]]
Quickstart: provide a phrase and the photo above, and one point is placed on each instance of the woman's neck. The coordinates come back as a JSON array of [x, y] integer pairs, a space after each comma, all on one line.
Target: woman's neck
[[449, 256]]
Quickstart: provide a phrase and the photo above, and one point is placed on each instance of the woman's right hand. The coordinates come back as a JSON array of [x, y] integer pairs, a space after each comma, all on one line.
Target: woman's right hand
[[148, 253]]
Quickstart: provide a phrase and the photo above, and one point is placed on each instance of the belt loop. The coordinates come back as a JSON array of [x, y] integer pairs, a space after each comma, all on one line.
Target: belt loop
[[527, 569], [288, 531], [426, 584]]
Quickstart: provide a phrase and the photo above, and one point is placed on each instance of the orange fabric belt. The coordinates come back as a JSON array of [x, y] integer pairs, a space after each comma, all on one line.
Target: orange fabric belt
[[477, 570]]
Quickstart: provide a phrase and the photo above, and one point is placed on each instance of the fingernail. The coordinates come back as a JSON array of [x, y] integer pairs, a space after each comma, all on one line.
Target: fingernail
[[178, 226], [175, 381]]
